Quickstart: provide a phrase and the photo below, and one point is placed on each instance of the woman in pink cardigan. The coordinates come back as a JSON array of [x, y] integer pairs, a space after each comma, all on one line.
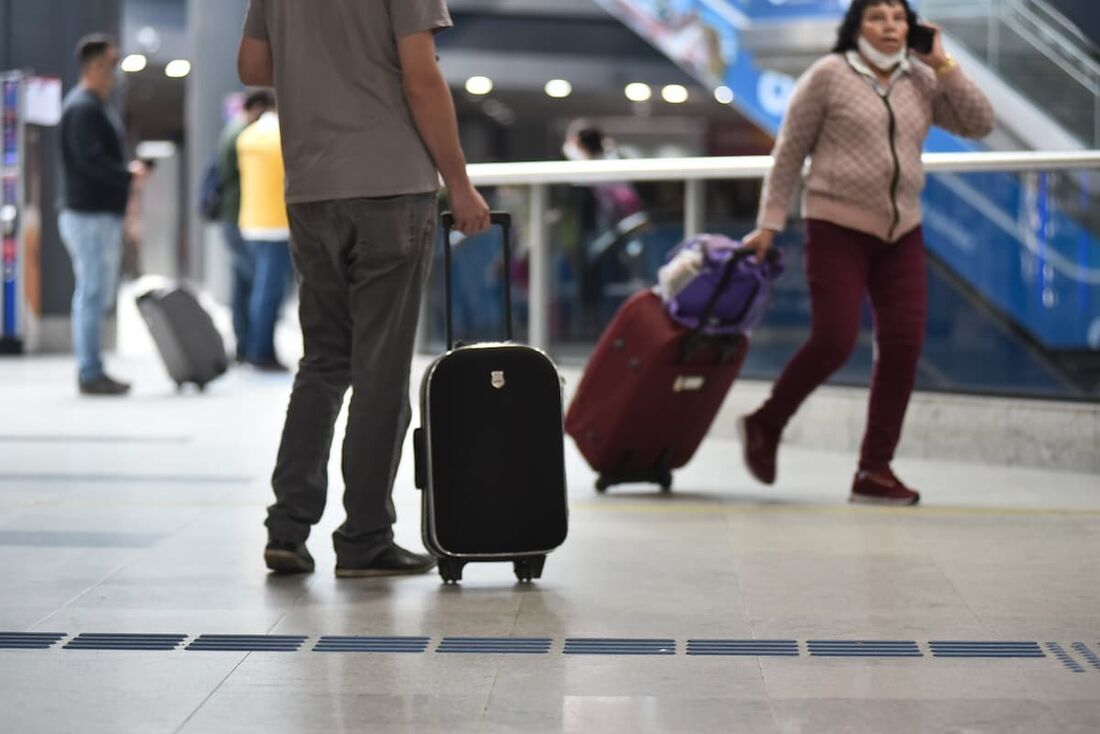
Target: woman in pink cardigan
[[862, 113]]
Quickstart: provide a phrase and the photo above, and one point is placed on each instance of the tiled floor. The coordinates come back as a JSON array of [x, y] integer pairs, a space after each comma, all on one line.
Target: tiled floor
[[144, 515]]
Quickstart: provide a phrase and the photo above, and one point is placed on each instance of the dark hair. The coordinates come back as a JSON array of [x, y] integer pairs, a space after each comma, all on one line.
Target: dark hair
[[259, 98], [591, 139], [92, 47], [848, 31]]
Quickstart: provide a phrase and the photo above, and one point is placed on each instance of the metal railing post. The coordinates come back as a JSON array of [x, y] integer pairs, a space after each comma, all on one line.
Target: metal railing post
[[695, 205], [538, 311]]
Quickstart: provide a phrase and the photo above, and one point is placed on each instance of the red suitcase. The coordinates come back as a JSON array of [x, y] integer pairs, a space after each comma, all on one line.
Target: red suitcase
[[650, 393]]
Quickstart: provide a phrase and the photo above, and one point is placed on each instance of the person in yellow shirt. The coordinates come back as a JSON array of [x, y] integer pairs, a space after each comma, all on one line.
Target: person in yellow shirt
[[266, 231]]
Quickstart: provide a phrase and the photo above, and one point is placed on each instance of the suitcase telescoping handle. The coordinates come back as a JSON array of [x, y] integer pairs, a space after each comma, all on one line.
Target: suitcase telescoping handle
[[504, 221]]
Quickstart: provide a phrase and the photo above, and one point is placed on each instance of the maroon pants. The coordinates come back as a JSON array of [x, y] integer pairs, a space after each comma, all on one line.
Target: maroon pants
[[841, 266]]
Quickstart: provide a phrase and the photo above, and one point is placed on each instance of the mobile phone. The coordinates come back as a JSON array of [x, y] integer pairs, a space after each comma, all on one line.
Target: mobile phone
[[922, 38]]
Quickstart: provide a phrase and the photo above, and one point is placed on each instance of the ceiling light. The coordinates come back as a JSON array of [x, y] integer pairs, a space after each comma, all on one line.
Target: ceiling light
[[558, 88], [638, 92], [674, 93], [177, 69], [479, 85], [134, 63], [724, 95]]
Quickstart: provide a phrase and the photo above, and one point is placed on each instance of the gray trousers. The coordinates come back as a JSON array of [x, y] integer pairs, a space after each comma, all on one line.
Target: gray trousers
[[362, 264]]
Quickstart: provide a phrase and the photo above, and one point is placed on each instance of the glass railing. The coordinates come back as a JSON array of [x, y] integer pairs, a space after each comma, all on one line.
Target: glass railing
[[1033, 48], [1014, 298]]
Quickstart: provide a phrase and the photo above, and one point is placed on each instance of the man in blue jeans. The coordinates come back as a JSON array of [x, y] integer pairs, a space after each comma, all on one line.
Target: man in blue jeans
[[96, 188]]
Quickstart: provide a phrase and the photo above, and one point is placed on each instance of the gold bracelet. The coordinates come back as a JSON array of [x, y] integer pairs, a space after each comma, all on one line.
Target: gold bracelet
[[946, 66]]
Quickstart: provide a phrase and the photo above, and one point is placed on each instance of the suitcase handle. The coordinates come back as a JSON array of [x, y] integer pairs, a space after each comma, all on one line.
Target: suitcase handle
[[504, 221]]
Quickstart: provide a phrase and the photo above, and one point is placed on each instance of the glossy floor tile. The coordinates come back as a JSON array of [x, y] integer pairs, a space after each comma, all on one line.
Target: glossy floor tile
[[145, 515]]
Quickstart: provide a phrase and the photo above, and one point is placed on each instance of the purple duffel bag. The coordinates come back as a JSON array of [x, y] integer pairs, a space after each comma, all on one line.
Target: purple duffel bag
[[727, 281]]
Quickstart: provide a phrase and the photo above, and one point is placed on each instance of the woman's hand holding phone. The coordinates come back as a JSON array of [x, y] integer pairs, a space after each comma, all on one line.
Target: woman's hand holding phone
[[926, 40]]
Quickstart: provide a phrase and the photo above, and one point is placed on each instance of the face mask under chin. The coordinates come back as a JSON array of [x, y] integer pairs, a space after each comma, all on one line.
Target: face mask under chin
[[886, 62]]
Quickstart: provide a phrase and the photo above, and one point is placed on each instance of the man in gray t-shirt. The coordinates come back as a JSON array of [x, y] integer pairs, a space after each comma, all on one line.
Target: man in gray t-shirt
[[367, 121]]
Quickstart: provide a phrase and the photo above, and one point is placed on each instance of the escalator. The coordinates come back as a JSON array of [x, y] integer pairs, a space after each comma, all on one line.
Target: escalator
[[1017, 253]]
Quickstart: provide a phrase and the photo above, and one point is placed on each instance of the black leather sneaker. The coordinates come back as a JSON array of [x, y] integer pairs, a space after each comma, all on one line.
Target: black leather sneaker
[[285, 557], [103, 385], [394, 561]]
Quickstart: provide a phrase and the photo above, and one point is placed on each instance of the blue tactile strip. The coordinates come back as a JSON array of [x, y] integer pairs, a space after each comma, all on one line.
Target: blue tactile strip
[[496, 645], [864, 649], [1066, 659], [619, 646], [331, 643], [1084, 651], [114, 641], [985, 649], [752, 648], [248, 643], [29, 640]]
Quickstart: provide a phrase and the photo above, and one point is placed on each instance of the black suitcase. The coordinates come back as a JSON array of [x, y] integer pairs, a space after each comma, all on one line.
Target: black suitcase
[[185, 335], [490, 455]]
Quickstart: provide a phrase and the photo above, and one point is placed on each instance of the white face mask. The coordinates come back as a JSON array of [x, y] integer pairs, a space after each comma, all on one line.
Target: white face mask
[[886, 62]]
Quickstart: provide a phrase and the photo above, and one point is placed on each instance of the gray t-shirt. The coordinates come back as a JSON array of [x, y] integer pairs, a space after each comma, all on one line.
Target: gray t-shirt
[[347, 130]]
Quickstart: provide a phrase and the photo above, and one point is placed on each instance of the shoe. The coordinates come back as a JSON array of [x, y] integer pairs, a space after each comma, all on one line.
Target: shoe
[[267, 365], [759, 445], [394, 561], [881, 488], [285, 557], [103, 385]]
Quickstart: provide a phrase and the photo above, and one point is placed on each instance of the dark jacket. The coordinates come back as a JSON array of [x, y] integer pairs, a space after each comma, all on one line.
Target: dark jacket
[[96, 179], [230, 172]]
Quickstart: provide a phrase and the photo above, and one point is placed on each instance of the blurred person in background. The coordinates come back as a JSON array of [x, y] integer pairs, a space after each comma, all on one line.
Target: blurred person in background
[[265, 229], [863, 113], [242, 261], [96, 185]]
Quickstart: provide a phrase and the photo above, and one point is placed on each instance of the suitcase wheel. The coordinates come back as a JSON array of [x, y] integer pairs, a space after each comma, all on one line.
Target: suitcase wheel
[[666, 482], [602, 483], [450, 570], [528, 569]]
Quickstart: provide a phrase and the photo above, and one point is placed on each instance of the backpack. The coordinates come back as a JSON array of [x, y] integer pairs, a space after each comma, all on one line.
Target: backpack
[[210, 191]]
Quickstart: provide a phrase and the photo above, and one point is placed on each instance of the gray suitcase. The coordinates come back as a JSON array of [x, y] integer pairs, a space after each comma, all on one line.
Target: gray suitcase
[[185, 335]]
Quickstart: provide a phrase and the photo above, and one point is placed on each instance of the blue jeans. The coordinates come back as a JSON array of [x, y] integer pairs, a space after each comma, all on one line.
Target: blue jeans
[[94, 242], [273, 270], [243, 271]]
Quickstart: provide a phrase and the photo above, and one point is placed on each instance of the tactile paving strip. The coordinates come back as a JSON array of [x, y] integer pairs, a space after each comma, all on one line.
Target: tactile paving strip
[[116, 641], [1067, 660], [496, 645], [595, 646], [248, 643], [752, 648], [331, 643], [29, 640], [985, 649], [619, 646], [1083, 650], [864, 649]]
